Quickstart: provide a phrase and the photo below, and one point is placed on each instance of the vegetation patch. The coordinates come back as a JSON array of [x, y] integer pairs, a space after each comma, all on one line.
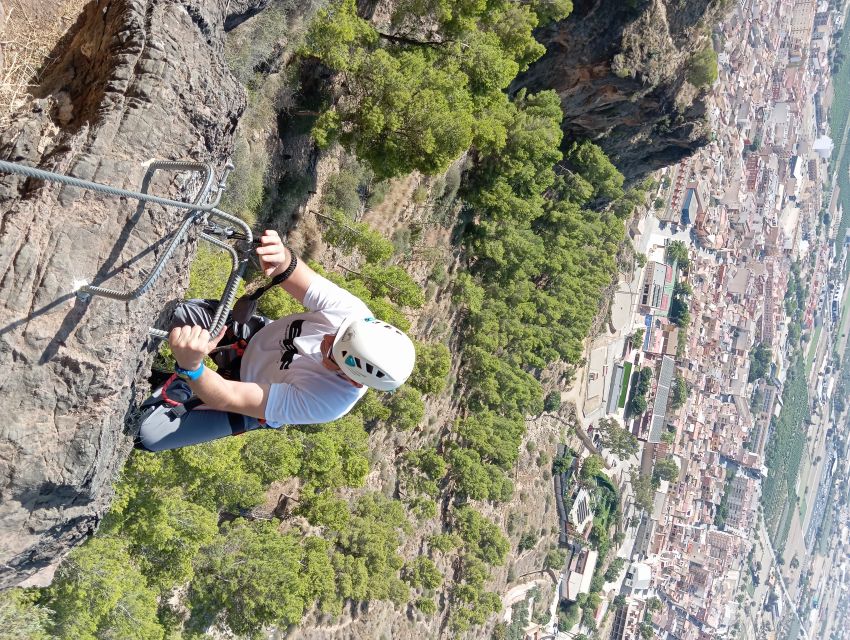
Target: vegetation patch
[[838, 124], [541, 225], [624, 387], [784, 451]]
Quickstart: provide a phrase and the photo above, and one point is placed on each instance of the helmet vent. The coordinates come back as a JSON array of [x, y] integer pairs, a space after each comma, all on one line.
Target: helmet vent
[[379, 374], [369, 368]]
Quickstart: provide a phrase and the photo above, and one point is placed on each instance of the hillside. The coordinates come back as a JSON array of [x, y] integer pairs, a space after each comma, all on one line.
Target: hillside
[[394, 159]]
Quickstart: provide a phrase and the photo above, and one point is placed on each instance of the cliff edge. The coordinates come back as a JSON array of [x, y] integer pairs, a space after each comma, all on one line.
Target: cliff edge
[[133, 80], [622, 72]]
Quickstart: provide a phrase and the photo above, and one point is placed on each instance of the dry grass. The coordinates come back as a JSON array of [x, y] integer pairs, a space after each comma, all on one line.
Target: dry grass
[[31, 30]]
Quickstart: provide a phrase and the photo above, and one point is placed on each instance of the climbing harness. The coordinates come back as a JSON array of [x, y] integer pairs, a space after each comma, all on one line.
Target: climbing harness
[[200, 211]]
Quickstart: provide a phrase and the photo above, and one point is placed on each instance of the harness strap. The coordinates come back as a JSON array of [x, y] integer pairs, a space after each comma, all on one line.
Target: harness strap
[[164, 392], [237, 423], [180, 410]]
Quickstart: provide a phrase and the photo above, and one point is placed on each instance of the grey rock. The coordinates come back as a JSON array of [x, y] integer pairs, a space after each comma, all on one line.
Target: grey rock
[[621, 74], [238, 11], [133, 80]]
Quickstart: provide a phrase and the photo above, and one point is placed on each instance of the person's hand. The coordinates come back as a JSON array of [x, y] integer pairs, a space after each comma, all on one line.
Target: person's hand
[[274, 257], [190, 344]]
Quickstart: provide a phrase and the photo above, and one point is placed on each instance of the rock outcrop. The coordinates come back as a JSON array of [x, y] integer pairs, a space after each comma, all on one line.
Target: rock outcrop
[[133, 80], [621, 71], [238, 11]]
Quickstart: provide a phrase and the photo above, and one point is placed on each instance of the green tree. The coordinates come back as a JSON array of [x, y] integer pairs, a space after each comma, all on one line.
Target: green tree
[[422, 572], [21, 617], [527, 541], [477, 479], [426, 606], [481, 536], [702, 67], [677, 252], [591, 467], [552, 402], [335, 454], [348, 235], [374, 533], [595, 167], [638, 405], [468, 293], [637, 338], [444, 542], [679, 392], [555, 559], [680, 313], [403, 112], [323, 509], [666, 469], [642, 490], [406, 408], [164, 532], [683, 288], [433, 364], [761, 357], [616, 439], [495, 438], [422, 470], [614, 569], [99, 593], [272, 455], [319, 578], [252, 576], [393, 282]]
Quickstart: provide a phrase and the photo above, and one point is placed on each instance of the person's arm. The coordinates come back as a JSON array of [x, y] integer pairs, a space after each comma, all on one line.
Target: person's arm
[[275, 258], [189, 346]]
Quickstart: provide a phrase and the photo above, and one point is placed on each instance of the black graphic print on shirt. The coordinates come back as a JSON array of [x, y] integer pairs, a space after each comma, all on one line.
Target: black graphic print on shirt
[[287, 345]]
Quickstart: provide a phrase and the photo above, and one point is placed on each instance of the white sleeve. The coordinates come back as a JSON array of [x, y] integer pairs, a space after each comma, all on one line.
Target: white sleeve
[[324, 295], [314, 400]]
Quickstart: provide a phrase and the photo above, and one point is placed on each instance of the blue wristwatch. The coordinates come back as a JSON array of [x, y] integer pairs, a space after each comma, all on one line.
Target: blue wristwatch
[[187, 374]]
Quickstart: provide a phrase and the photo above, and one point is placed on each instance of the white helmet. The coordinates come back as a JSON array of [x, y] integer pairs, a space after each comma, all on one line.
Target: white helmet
[[373, 353]]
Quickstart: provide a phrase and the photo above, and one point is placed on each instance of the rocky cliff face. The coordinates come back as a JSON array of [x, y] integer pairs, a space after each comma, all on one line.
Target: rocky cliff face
[[621, 71], [133, 80]]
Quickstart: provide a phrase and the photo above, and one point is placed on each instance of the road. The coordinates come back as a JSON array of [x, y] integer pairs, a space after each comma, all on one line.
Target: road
[[789, 601]]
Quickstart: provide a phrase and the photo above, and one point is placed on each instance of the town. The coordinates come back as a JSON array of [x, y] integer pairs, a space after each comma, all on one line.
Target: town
[[715, 399]]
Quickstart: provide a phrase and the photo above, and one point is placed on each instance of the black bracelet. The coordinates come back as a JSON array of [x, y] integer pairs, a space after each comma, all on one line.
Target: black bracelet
[[293, 262]]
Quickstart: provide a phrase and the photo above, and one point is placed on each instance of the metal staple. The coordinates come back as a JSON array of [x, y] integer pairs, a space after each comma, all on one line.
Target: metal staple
[[199, 211]]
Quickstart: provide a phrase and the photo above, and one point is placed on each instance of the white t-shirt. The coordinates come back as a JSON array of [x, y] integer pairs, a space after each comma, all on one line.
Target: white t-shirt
[[287, 355]]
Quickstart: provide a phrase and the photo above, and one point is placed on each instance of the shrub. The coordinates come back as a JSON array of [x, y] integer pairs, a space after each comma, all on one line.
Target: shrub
[[702, 68], [431, 372], [552, 402], [527, 541], [342, 192], [406, 408], [209, 273]]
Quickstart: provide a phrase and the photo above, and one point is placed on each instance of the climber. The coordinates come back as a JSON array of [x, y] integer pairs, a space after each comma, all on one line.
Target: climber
[[304, 368]]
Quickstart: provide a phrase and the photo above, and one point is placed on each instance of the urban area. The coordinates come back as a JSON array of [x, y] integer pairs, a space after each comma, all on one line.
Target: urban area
[[712, 426]]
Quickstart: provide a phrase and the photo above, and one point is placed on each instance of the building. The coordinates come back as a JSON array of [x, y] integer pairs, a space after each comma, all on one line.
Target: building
[[578, 573], [657, 292], [662, 338], [580, 518], [638, 580], [662, 399], [692, 205], [741, 503]]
